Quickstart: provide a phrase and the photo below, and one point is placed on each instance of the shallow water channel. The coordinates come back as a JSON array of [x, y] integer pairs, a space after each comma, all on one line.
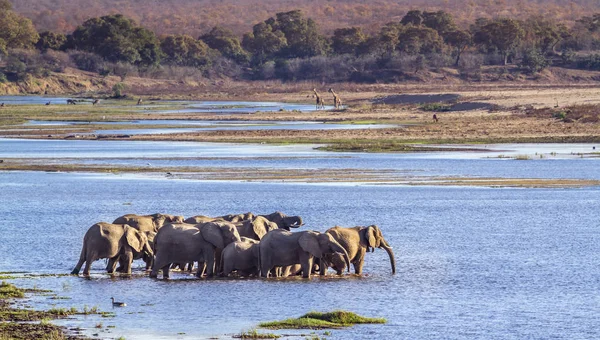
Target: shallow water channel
[[473, 262], [183, 126]]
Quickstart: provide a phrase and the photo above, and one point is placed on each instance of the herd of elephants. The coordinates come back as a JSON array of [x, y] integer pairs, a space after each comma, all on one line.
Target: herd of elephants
[[243, 245]]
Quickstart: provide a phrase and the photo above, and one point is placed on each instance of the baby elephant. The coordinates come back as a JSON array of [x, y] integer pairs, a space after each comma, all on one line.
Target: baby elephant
[[241, 256], [112, 241]]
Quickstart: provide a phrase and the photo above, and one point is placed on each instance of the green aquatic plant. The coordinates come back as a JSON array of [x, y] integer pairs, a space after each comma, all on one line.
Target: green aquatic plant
[[318, 320], [8, 290], [254, 334]]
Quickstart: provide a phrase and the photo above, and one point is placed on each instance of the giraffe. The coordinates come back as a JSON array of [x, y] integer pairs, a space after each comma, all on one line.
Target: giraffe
[[319, 100], [337, 102]]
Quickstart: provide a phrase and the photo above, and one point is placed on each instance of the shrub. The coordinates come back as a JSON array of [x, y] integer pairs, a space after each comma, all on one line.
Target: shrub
[[87, 61], [534, 61], [118, 89]]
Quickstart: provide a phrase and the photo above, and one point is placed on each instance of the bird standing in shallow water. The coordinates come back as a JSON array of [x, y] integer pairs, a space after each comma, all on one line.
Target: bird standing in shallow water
[[117, 304]]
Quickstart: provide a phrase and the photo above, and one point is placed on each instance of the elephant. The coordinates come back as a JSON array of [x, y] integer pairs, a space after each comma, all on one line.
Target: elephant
[[237, 218], [242, 256], [201, 219], [284, 248], [283, 221], [183, 243], [148, 259], [257, 228], [148, 223], [357, 241], [112, 241]]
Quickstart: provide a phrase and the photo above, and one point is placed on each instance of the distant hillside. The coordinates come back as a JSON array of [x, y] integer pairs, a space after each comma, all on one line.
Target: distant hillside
[[195, 17]]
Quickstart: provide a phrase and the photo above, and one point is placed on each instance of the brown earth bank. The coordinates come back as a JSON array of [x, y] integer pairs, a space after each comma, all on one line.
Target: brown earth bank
[[75, 82], [493, 112]]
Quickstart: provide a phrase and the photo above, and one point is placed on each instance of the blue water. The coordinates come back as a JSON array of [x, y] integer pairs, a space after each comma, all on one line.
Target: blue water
[[472, 262], [466, 164]]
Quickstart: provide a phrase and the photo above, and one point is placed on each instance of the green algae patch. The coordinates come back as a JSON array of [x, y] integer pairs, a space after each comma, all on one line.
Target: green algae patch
[[318, 320], [254, 334], [8, 290]]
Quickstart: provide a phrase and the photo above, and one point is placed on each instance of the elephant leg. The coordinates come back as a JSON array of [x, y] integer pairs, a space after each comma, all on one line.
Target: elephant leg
[[165, 271], [358, 263], [159, 263], [127, 260], [88, 263], [284, 271], [209, 260], [77, 268], [218, 260], [149, 263], [201, 268], [307, 267], [112, 262]]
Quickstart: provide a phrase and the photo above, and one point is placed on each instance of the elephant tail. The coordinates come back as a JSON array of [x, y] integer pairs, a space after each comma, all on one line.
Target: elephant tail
[[81, 259]]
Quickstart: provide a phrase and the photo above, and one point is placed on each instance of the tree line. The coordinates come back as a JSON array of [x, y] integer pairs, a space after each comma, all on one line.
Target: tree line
[[289, 46]]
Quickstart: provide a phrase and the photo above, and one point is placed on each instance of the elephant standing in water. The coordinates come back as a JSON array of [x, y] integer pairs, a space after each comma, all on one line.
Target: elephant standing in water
[[283, 248], [235, 218], [256, 229], [112, 241], [242, 256], [183, 243], [283, 221], [357, 241], [148, 223]]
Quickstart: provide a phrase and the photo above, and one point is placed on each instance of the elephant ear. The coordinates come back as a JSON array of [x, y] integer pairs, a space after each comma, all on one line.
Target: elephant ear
[[309, 243], [133, 239], [371, 236], [211, 232], [258, 226]]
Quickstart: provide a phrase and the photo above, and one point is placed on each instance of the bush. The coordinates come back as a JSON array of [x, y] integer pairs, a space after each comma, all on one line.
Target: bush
[[20, 64], [469, 66], [534, 61], [87, 61], [118, 89], [3, 78], [591, 62]]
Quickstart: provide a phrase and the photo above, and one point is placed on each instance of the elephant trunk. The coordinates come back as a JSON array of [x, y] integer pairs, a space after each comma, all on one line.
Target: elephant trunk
[[292, 222], [388, 249], [339, 249], [148, 249]]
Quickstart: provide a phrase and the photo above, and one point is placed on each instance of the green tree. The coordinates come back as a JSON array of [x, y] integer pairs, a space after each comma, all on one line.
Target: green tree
[[51, 41], [419, 40], [224, 41], [348, 40], [15, 31], [543, 34], [118, 38], [263, 42], [459, 40], [183, 50], [387, 40], [440, 21], [302, 35], [534, 61], [501, 35], [287, 35]]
